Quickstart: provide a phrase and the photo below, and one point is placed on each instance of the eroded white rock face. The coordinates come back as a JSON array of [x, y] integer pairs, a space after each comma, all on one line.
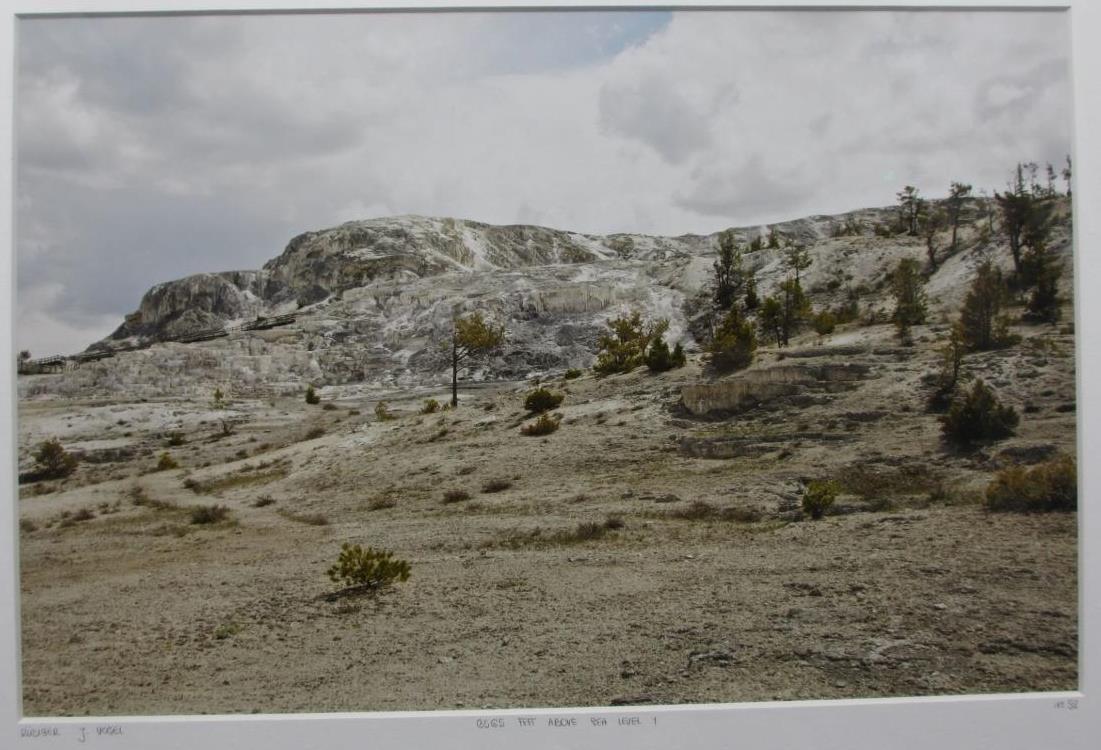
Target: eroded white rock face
[[375, 299], [204, 300]]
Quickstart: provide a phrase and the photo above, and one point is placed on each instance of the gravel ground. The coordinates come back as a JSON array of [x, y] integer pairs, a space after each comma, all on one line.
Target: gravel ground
[[911, 588]]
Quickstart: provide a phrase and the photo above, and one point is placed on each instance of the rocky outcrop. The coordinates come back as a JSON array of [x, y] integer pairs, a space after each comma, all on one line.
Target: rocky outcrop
[[766, 384], [374, 301], [193, 303], [318, 264], [379, 253]]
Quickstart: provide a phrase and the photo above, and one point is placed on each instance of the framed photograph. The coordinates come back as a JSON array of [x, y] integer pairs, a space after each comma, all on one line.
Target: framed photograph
[[648, 375]]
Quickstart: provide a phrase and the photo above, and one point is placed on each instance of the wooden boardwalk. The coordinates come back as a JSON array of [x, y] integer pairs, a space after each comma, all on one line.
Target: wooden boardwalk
[[59, 363]]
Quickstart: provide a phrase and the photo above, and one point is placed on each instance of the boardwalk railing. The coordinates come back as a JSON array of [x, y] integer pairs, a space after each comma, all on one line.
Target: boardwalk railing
[[58, 362]]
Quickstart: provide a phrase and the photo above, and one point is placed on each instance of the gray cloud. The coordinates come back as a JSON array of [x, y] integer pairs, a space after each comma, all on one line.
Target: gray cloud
[[652, 108], [748, 190]]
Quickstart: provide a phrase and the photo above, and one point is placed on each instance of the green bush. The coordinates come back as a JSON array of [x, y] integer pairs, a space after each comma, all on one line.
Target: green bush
[[541, 400], [982, 322], [311, 395], [680, 359], [367, 568], [382, 413], [819, 497], [847, 311], [209, 514], [733, 344], [455, 496], [660, 359], [824, 323], [431, 406], [53, 461], [1050, 486], [571, 374], [614, 523], [496, 485], [978, 415], [625, 347], [911, 305], [586, 531], [166, 462], [545, 425]]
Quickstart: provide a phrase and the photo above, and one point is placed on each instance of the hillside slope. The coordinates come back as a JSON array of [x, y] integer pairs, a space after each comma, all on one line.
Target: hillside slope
[[374, 299]]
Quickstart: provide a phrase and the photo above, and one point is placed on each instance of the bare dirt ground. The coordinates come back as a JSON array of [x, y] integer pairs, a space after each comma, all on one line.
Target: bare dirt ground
[[909, 588]]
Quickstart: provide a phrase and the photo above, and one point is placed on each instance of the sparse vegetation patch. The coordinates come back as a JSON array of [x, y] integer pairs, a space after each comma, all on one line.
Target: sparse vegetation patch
[[209, 514], [243, 478], [310, 519], [367, 569], [52, 461], [496, 485], [1050, 486], [978, 415], [541, 400], [455, 496], [819, 497], [545, 425]]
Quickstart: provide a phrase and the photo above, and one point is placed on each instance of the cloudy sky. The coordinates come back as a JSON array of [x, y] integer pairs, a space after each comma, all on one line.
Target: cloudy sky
[[153, 148]]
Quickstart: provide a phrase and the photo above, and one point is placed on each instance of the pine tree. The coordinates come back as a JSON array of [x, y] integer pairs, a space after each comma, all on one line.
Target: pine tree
[[679, 358], [932, 224], [1027, 210], [625, 346], [470, 336], [783, 315], [910, 302], [958, 193], [751, 300], [951, 369], [1043, 270], [660, 359], [733, 343], [981, 321], [770, 320], [910, 205], [729, 275], [796, 258]]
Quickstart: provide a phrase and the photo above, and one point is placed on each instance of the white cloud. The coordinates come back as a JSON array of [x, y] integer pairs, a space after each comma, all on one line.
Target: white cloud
[[150, 148]]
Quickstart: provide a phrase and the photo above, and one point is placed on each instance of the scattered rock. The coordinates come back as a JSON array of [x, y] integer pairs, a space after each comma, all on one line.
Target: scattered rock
[[712, 657], [632, 700]]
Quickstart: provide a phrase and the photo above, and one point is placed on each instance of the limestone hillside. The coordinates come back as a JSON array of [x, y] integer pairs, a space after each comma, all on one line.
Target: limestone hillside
[[374, 299]]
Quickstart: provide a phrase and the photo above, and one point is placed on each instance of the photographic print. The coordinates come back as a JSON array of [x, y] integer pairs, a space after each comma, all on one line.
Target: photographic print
[[473, 360]]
